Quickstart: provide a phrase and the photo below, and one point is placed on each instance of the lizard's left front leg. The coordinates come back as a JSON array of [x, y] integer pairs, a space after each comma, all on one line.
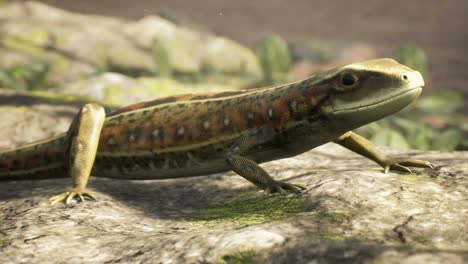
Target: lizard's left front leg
[[364, 147], [250, 170], [82, 143]]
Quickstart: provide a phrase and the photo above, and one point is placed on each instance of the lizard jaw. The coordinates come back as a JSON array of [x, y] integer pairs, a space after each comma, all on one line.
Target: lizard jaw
[[393, 104]]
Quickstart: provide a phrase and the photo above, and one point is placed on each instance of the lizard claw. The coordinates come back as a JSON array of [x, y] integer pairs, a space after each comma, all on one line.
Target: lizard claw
[[68, 196], [399, 167], [281, 188]]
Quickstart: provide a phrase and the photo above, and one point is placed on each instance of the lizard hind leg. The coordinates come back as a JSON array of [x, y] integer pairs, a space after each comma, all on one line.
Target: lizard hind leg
[[81, 147]]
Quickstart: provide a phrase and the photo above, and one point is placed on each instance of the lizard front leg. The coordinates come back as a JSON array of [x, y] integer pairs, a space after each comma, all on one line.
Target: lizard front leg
[[250, 170], [364, 147], [82, 143]]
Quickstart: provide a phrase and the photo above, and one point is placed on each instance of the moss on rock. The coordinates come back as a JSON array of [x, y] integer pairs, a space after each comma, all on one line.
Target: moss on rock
[[249, 208], [241, 257]]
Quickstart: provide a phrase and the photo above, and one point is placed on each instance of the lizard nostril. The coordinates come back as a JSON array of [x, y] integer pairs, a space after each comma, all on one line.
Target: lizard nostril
[[404, 78]]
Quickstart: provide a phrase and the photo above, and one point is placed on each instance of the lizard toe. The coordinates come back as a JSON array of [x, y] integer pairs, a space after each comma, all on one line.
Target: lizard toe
[[69, 196], [283, 188]]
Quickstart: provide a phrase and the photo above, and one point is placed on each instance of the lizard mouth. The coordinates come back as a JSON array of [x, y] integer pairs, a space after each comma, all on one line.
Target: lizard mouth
[[392, 104]]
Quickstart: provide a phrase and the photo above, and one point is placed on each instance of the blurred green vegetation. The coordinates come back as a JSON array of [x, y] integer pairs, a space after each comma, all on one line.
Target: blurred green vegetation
[[161, 58], [26, 76], [275, 58], [413, 57], [431, 123]]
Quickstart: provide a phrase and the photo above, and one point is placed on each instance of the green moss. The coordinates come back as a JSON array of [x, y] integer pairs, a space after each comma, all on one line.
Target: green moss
[[249, 209], [38, 36], [334, 217], [3, 242], [18, 109], [164, 86], [62, 37], [409, 177], [64, 98], [423, 241], [241, 257], [167, 87], [329, 223], [113, 94], [21, 46], [101, 57], [182, 54], [60, 65], [334, 237]]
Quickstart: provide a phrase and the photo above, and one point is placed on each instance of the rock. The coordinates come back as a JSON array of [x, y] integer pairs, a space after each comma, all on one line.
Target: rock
[[82, 45], [351, 211], [120, 90]]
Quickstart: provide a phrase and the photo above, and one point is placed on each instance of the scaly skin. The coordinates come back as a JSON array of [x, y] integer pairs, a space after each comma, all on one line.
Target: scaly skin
[[200, 134]]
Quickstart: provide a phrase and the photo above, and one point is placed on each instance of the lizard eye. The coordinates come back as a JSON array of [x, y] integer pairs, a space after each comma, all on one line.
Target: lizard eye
[[348, 80]]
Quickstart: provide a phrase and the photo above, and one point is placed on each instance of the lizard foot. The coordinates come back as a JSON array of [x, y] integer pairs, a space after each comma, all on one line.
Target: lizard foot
[[281, 188], [67, 197], [402, 165]]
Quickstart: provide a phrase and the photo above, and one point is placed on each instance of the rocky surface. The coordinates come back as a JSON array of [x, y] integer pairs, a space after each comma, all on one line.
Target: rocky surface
[[78, 46], [117, 89], [351, 211]]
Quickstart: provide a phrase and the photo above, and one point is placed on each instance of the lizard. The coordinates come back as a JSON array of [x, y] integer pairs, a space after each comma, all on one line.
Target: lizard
[[200, 134]]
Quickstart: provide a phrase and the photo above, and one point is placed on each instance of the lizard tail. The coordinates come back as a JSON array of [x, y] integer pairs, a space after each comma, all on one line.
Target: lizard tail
[[39, 160]]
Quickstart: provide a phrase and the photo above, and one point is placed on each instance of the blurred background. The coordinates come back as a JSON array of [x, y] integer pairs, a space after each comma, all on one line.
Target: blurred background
[[119, 52]]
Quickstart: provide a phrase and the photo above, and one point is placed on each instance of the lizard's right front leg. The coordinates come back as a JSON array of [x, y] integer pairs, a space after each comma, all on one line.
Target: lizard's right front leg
[[81, 147]]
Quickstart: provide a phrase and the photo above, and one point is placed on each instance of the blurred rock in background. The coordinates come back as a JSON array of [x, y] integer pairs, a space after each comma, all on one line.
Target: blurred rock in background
[[77, 46]]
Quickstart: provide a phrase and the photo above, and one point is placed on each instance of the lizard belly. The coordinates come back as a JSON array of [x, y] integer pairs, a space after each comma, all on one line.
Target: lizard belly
[[150, 172], [193, 160]]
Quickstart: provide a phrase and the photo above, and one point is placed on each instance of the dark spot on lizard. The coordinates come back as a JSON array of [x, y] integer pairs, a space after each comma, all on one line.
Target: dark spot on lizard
[[142, 161], [16, 163], [106, 162], [47, 158], [127, 162], [120, 119]]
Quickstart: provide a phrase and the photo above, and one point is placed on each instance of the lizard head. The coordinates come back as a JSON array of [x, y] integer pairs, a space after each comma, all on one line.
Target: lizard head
[[364, 92]]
